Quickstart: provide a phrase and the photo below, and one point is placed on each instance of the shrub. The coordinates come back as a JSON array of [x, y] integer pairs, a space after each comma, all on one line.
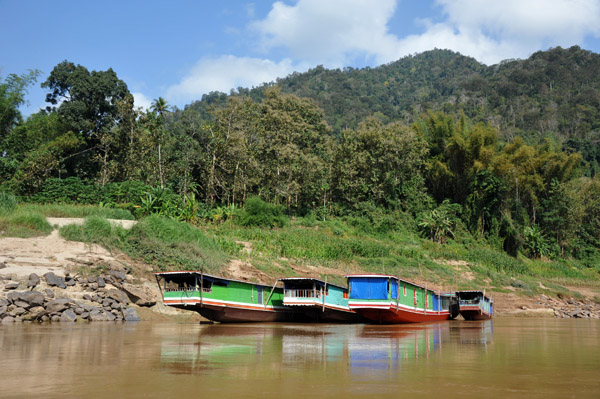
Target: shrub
[[260, 213], [8, 202]]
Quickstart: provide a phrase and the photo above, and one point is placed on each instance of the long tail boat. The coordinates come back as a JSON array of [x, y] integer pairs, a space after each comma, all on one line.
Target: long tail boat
[[319, 300], [223, 300], [475, 305], [388, 299]]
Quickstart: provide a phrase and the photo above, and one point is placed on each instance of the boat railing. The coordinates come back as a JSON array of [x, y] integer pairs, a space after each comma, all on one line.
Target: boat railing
[[293, 293], [186, 289], [468, 302]]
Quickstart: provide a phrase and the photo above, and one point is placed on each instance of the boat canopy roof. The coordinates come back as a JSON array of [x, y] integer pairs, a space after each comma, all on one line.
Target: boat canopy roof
[[307, 280], [207, 277], [471, 294], [384, 276]]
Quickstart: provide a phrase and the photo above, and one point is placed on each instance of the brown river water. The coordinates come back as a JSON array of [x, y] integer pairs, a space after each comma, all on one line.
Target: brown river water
[[503, 358]]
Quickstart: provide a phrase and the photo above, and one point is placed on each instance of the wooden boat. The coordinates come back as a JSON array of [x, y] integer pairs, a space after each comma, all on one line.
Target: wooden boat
[[318, 300], [389, 300], [223, 300], [474, 305]]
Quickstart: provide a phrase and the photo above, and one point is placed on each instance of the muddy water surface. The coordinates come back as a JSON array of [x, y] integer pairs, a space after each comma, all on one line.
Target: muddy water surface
[[503, 358]]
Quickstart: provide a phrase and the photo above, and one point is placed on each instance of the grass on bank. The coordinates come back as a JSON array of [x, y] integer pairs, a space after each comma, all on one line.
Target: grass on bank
[[163, 242]]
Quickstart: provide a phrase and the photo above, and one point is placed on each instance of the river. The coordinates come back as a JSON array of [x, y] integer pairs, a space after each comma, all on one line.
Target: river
[[503, 358]]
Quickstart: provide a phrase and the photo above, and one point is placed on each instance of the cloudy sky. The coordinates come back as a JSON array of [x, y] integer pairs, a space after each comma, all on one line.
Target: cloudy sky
[[181, 50]]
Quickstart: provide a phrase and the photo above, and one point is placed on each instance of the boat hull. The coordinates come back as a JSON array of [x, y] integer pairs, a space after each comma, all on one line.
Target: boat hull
[[398, 315], [329, 315], [474, 313], [232, 313]]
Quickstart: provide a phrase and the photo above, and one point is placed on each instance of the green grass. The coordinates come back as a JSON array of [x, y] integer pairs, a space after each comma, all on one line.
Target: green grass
[[24, 224], [77, 211], [165, 243]]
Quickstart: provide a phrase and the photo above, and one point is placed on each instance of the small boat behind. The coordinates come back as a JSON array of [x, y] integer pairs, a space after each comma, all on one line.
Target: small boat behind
[[475, 305], [319, 300], [221, 299]]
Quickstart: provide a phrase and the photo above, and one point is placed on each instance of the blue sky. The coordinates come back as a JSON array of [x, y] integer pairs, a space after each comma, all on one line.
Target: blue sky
[[180, 50]]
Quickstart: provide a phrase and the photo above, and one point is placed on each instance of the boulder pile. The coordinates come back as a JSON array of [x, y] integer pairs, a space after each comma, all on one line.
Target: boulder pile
[[567, 308], [108, 297]]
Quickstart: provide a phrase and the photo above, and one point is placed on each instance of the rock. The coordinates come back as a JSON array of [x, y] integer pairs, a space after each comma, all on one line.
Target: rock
[[130, 314], [107, 302], [117, 295], [22, 304], [11, 286], [58, 305], [85, 315], [2, 265], [101, 282], [117, 275], [44, 318], [54, 281], [8, 319], [3, 311], [109, 316], [18, 311], [49, 293], [68, 316], [79, 311], [70, 282], [36, 311], [97, 315], [55, 318], [33, 281], [140, 295], [87, 297], [3, 302], [93, 286], [92, 279], [29, 298]]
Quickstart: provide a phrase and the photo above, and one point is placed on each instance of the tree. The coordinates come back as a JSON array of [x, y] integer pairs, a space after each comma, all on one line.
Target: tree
[[159, 107], [12, 96], [87, 104]]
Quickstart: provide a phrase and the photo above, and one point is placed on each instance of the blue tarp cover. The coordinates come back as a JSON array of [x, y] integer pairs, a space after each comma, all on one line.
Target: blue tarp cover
[[394, 289], [369, 288]]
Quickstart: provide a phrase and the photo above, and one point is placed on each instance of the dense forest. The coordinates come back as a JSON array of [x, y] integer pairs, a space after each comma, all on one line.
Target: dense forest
[[508, 154]]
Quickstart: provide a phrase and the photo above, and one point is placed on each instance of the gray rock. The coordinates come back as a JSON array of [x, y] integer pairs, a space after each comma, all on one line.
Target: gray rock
[[54, 281], [8, 319], [3, 302], [31, 298], [49, 293], [2, 265], [55, 318], [18, 311], [117, 295], [68, 316], [33, 281], [36, 311], [3, 311], [101, 282], [58, 305], [79, 311], [97, 315], [87, 297], [92, 279], [110, 316], [22, 304], [11, 286], [117, 275], [140, 295], [107, 302], [44, 318], [93, 286], [130, 314], [85, 315], [70, 282]]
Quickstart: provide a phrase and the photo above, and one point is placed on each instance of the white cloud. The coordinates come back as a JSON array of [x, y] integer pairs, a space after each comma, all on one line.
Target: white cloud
[[338, 32], [140, 100], [330, 32], [225, 73]]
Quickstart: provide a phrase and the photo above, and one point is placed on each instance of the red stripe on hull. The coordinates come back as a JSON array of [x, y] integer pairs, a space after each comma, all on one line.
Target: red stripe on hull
[[476, 314], [391, 316]]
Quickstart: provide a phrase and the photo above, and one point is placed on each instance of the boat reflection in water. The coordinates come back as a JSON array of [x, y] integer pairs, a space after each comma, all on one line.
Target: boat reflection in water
[[259, 348]]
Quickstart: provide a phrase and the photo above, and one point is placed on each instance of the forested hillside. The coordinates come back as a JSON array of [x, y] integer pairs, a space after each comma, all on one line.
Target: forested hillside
[[435, 143]]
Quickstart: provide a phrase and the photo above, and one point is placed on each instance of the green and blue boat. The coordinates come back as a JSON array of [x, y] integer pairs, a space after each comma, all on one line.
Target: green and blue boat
[[223, 300]]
